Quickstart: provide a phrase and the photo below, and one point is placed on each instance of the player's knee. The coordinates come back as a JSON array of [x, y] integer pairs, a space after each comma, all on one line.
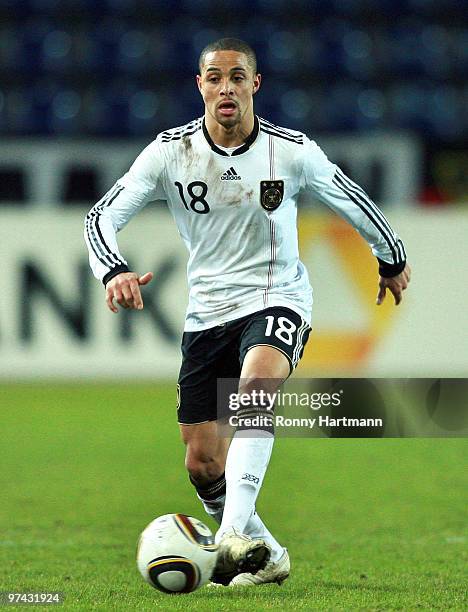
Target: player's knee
[[265, 368], [258, 381], [203, 466], [250, 383]]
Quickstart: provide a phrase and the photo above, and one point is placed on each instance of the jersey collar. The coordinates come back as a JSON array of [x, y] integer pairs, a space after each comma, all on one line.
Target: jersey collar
[[242, 149]]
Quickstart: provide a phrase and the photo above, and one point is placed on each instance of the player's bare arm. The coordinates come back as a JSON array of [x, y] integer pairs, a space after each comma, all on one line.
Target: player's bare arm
[[396, 285], [124, 288]]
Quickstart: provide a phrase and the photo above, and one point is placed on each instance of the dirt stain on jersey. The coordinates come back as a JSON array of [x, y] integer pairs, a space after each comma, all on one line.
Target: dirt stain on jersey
[[189, 156], [233, 193], [240, 196], [235, 200], [187, 143]]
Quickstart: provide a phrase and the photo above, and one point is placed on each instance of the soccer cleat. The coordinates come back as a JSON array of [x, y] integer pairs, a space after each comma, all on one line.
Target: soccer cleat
[[273, 572], [239, 553]]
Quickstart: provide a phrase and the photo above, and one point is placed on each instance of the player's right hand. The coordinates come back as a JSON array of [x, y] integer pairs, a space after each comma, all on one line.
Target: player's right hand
[[124, 288]]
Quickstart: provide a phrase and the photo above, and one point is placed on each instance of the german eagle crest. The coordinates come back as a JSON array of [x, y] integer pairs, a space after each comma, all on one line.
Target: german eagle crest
[[271, 194]]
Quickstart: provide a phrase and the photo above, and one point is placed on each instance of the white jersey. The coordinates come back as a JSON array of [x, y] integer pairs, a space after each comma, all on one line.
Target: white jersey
[[236, 213]]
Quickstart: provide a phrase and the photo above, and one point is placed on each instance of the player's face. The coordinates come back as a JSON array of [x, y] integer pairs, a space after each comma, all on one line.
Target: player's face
[[227, 84]]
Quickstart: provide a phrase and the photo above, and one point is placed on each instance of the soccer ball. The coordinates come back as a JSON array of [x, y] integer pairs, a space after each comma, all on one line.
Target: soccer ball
[[176, 553]]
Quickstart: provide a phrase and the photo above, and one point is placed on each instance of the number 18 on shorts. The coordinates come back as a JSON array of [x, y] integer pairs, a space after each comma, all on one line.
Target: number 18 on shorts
[[219, 352]]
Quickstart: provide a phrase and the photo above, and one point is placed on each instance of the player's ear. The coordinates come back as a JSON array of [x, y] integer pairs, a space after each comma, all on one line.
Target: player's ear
[[256, 83], [199, 82]]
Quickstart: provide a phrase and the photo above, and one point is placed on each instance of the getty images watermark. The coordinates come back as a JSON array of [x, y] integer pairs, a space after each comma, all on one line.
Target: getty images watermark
[[345, 407], [264, 404]]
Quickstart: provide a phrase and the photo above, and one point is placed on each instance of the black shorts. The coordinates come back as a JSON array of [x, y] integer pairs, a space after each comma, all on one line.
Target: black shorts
[[219, 352]]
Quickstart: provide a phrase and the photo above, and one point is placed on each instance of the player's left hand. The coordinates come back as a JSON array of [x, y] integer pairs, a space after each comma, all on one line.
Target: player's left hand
[[396, 284]]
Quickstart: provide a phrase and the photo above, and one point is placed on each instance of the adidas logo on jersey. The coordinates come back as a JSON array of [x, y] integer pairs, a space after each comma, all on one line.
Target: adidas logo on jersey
[[230, 175]]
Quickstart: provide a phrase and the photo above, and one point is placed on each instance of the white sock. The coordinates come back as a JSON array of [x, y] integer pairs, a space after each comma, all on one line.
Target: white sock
[[214, 507], [246, 464], [256, 528]]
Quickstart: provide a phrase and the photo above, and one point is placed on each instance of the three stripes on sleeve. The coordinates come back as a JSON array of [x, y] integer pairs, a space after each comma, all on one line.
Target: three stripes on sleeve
[[359, 197], [108, 258]]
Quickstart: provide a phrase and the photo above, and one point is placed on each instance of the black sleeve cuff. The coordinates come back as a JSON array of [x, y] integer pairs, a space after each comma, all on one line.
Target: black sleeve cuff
[[114, 272], [388, 270]]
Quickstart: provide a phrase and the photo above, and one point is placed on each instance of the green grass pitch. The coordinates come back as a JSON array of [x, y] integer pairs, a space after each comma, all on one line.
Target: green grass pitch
[[370, 524]]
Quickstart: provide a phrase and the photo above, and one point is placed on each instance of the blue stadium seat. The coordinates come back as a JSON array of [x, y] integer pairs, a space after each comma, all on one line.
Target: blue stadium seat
[[103, 66]]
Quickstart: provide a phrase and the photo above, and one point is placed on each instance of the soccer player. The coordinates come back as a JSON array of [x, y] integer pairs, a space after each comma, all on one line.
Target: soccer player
[[231, 180]]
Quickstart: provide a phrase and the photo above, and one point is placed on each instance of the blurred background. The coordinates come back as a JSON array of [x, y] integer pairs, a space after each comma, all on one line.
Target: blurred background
[[86, 84]]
